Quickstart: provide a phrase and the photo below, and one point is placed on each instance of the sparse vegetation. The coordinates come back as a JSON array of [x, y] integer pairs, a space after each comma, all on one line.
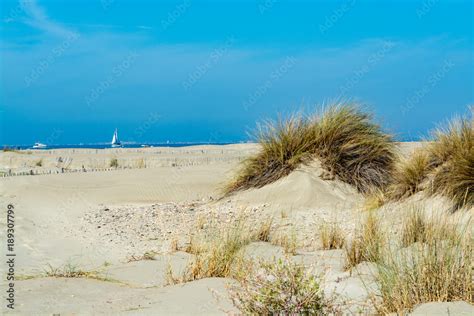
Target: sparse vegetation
[[72, 271], [438, 267], [39, 163], [217, 250], [16, 150], [287, 240], [174, 245], [420, 228], [279, 288], [263, 232], [332, 236], [141, 163], [414, 228], [149, 255], [367, 244], [349, 145], [114, 163]]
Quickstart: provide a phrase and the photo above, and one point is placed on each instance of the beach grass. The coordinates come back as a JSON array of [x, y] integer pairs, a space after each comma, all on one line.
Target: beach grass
[[331, 236], [113, 163], [284, 145], [444, 166], [409, 175], [342, 136], [367, 243], [436, 265], [452, 154], [216, 250]]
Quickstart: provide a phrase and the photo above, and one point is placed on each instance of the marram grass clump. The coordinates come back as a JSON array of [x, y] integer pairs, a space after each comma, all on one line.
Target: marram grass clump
[[284, 145], [350, 146], [452, 156], [445, 166], [353, 147], [409, 175]]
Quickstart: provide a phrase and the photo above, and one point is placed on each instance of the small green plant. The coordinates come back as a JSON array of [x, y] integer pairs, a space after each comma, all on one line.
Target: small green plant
[[114, 163], [279, 288], [332, 236], [39, 163]]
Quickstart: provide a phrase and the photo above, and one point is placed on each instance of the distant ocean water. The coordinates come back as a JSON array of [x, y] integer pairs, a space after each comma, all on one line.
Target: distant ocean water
[[105, 145]]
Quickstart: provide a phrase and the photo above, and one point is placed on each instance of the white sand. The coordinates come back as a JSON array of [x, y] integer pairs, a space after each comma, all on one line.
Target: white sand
[[101, 220]]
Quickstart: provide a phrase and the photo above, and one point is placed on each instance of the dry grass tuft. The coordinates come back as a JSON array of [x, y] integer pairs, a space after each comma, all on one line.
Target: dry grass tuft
[[453, 155], [114, 163], [349, 145], [72, 271], [263, 231], [437, 267], [420, 228], [217, 250], [367, 244], [287, 240], [374, 200], [332, 236], [149, 255], [444, 167], [409, 175]]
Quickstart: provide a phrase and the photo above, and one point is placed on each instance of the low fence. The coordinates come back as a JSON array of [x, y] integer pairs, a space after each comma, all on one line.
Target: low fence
[[146, 165]]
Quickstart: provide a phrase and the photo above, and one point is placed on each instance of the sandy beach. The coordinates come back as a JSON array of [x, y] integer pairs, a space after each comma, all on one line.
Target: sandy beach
[[107, 221]]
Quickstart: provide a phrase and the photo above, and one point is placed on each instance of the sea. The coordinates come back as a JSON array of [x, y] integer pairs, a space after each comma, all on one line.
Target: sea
[[107, 145]]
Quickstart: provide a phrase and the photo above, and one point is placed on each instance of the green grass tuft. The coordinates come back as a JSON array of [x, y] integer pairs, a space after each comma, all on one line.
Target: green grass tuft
[[343, 137], [444, 167]]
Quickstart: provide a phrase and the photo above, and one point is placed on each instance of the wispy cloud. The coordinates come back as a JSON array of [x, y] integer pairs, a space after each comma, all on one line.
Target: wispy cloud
[[37, 17]]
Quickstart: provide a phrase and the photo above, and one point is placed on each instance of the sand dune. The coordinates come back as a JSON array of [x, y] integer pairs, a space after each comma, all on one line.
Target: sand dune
[[102, 221]]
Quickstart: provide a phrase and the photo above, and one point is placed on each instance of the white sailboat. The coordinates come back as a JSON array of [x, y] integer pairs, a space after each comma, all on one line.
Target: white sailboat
[[39, 146], [115, 140]]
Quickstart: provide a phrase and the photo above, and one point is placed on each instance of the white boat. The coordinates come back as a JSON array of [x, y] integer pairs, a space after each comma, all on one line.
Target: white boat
[[39, 146], [115, 140]]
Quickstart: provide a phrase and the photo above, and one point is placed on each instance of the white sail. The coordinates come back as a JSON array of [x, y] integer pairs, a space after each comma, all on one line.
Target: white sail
[[115, 139]]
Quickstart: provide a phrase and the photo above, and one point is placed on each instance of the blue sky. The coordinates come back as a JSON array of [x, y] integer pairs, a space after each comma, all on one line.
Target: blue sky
[[209, 70]]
